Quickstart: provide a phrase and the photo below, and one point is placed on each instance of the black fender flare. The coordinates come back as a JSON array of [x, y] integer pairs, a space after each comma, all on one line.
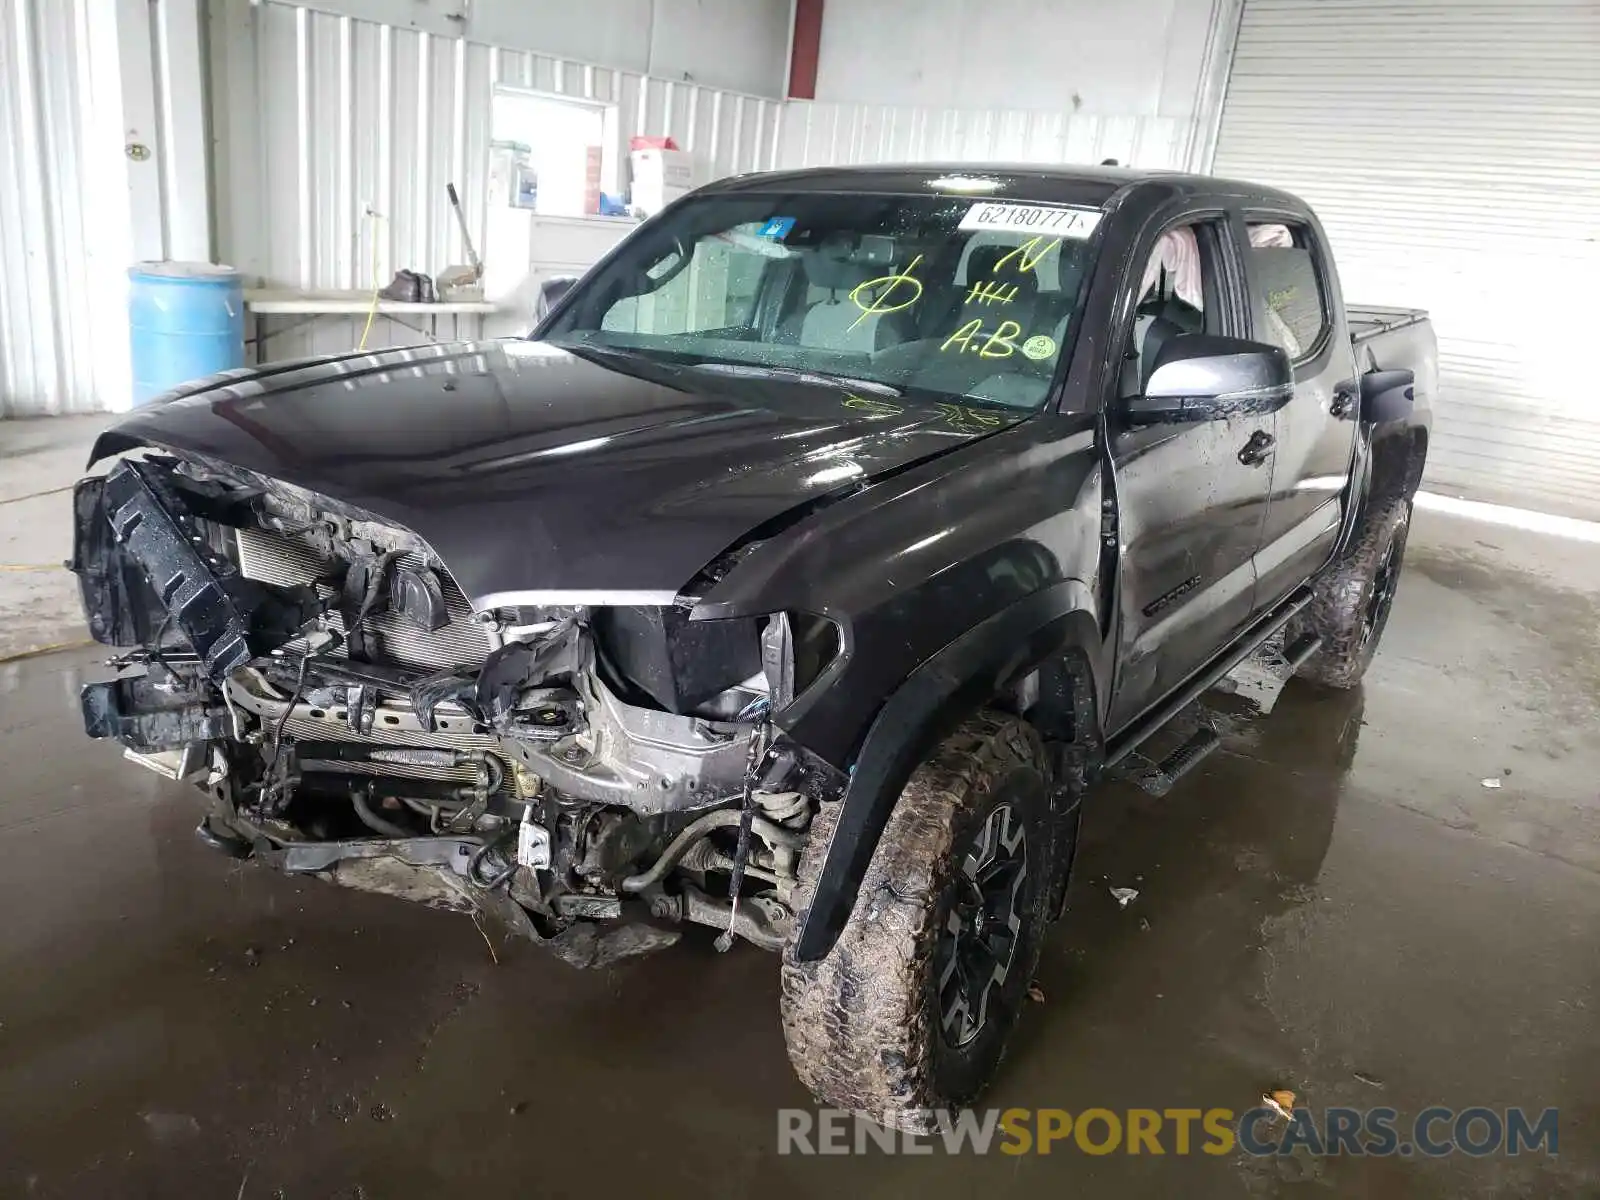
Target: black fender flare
[[997, 651]]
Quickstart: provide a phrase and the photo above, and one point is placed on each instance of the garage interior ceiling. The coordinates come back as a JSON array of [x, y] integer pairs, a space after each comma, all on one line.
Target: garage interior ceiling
[[1452, 149]]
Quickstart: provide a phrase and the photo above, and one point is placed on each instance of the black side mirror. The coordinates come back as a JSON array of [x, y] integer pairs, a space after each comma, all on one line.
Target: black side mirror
[[1198, 377], [550, 293], [1388, 395]]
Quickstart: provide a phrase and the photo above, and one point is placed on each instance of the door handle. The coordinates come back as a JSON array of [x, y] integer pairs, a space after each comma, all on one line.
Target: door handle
[[1258, 449], [1345, 397]]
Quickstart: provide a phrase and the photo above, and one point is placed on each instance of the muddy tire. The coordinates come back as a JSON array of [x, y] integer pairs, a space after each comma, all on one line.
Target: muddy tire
[[912, 1008], [1350, 605]]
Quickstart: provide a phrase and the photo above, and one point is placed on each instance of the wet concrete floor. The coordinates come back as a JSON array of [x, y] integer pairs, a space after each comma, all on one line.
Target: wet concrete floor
[[1334, 904]]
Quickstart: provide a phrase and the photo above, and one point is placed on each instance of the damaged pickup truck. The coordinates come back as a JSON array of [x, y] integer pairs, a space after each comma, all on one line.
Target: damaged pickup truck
[[795, 578]]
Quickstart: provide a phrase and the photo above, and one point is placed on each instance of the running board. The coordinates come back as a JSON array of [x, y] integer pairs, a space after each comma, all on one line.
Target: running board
[[1158, 778], [1125, 742], [1261, 677]]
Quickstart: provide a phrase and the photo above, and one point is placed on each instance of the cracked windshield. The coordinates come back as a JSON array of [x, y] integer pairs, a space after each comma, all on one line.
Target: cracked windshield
[[888, 295]]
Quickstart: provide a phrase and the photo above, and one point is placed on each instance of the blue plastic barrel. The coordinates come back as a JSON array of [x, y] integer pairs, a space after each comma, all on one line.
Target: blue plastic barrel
[[186, 320]]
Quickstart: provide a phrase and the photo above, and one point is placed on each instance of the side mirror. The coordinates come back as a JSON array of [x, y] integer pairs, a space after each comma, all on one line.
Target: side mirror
[[551, 292], [1388, 395], [1198, 377]]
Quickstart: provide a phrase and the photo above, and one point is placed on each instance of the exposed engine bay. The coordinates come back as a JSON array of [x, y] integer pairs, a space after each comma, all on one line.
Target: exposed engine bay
[[321, 676]]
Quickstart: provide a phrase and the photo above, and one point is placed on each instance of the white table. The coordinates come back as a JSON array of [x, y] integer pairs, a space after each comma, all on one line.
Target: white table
[[262, 303]]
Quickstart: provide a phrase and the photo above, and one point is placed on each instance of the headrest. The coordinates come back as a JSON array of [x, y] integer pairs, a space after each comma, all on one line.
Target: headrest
[[840, 264]]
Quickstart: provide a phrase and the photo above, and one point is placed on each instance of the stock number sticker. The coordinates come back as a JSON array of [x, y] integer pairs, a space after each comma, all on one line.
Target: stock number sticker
[[1032, 218]]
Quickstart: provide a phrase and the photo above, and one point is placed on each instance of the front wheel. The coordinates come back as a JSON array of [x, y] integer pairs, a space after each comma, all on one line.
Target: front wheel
[[1350, 604], [912, 1007]]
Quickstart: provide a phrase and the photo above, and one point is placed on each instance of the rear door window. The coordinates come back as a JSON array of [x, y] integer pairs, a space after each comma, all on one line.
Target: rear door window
[[1290, 301]]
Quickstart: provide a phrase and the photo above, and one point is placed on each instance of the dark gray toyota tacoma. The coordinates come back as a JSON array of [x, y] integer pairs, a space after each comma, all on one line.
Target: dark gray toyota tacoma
[[796, 577]]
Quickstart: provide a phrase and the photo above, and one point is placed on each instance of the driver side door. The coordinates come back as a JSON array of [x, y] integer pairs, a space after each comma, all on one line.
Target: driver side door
[[1191, 497]]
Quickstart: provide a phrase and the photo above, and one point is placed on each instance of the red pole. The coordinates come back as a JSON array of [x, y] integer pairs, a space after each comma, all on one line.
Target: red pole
[[806, 50]]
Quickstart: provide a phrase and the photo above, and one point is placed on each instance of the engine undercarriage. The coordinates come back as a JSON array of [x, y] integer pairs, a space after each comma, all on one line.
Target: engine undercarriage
[[320, 675]]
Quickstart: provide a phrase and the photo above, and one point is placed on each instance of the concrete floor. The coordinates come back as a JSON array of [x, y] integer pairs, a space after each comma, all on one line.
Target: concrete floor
[[39, 462], [1335, 904]]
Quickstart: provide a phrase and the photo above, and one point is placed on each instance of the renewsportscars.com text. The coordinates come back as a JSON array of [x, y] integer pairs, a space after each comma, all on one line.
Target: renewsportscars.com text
[[1371, 1132]]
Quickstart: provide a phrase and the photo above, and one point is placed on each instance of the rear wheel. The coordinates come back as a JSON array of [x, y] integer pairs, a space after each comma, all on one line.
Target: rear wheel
[[912, 1008], [1350, 604]]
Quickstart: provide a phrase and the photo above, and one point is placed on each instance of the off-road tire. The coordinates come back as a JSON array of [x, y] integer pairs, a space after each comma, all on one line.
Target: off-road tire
[[863, 1023], [1344, 599]]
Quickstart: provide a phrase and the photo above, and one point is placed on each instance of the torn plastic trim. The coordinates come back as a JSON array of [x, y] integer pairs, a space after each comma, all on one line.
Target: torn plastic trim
[[163, 542], [143, 551]]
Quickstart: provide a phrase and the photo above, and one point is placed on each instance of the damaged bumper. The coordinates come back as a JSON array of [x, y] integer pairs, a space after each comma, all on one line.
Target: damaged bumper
[[320, 675]]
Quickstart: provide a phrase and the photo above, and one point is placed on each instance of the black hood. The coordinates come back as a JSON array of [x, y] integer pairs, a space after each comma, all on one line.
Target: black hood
[[529, 469]]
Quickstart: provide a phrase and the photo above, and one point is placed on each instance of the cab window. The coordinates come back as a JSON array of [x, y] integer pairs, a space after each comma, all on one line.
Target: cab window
[[1286, 290], [1176, 294]]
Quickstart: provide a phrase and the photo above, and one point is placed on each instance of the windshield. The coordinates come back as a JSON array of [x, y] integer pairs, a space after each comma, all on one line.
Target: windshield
[[890, 294]]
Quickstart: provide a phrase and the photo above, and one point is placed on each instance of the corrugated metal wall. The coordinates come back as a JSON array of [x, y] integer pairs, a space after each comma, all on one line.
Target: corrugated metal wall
[[64, 242], [821, 134], [1452, 149], [321, 118]]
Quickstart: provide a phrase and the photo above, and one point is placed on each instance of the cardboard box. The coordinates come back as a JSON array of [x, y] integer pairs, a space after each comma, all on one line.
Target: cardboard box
[[660, 177]]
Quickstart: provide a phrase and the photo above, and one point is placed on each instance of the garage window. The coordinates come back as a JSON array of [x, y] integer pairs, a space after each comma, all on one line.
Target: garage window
[[1289, 295]]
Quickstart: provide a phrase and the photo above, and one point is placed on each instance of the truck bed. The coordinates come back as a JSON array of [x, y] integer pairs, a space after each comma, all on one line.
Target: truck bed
[[1390, 338], [1369, 321]]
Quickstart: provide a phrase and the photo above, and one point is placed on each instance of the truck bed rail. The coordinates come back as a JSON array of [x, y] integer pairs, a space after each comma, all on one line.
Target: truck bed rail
[[1368, 321]]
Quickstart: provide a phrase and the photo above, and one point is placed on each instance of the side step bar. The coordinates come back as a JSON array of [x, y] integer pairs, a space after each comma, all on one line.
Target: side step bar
[[1260, 678], [1158, 778], [1124, 743]]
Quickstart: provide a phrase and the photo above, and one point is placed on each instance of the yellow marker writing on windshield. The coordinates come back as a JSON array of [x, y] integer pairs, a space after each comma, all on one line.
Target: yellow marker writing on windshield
[[1029, 260], [1002, 343], [873, 408], [886, 302], [962, 337], [991, 292]]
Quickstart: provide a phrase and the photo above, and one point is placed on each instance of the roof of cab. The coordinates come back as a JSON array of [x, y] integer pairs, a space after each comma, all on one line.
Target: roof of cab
[[1018, 181]]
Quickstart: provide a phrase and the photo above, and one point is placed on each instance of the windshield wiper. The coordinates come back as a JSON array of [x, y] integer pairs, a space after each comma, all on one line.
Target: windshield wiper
[[800, 375]]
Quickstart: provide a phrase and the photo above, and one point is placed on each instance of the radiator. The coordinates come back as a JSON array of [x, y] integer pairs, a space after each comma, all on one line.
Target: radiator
[[272, 558]]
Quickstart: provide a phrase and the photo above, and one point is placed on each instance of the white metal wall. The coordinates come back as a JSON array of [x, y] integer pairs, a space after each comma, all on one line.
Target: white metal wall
[[1452, 147], [64, 235], [823, 134], [736, 45], [320, 118], [1128, 58], [1041, 81]]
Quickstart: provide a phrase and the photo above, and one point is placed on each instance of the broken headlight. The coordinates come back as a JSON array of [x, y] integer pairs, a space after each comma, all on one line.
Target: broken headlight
[[722, 670]]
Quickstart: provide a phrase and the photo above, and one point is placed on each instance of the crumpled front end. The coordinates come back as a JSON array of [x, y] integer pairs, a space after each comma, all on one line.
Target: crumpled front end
[[320, 675]]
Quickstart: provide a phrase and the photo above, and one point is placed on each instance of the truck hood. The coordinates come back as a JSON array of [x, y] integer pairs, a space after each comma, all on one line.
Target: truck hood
[[543, 476]]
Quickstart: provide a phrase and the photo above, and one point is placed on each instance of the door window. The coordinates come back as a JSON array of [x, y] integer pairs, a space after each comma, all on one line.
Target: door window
[[1287, 289], [1172, 297]]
